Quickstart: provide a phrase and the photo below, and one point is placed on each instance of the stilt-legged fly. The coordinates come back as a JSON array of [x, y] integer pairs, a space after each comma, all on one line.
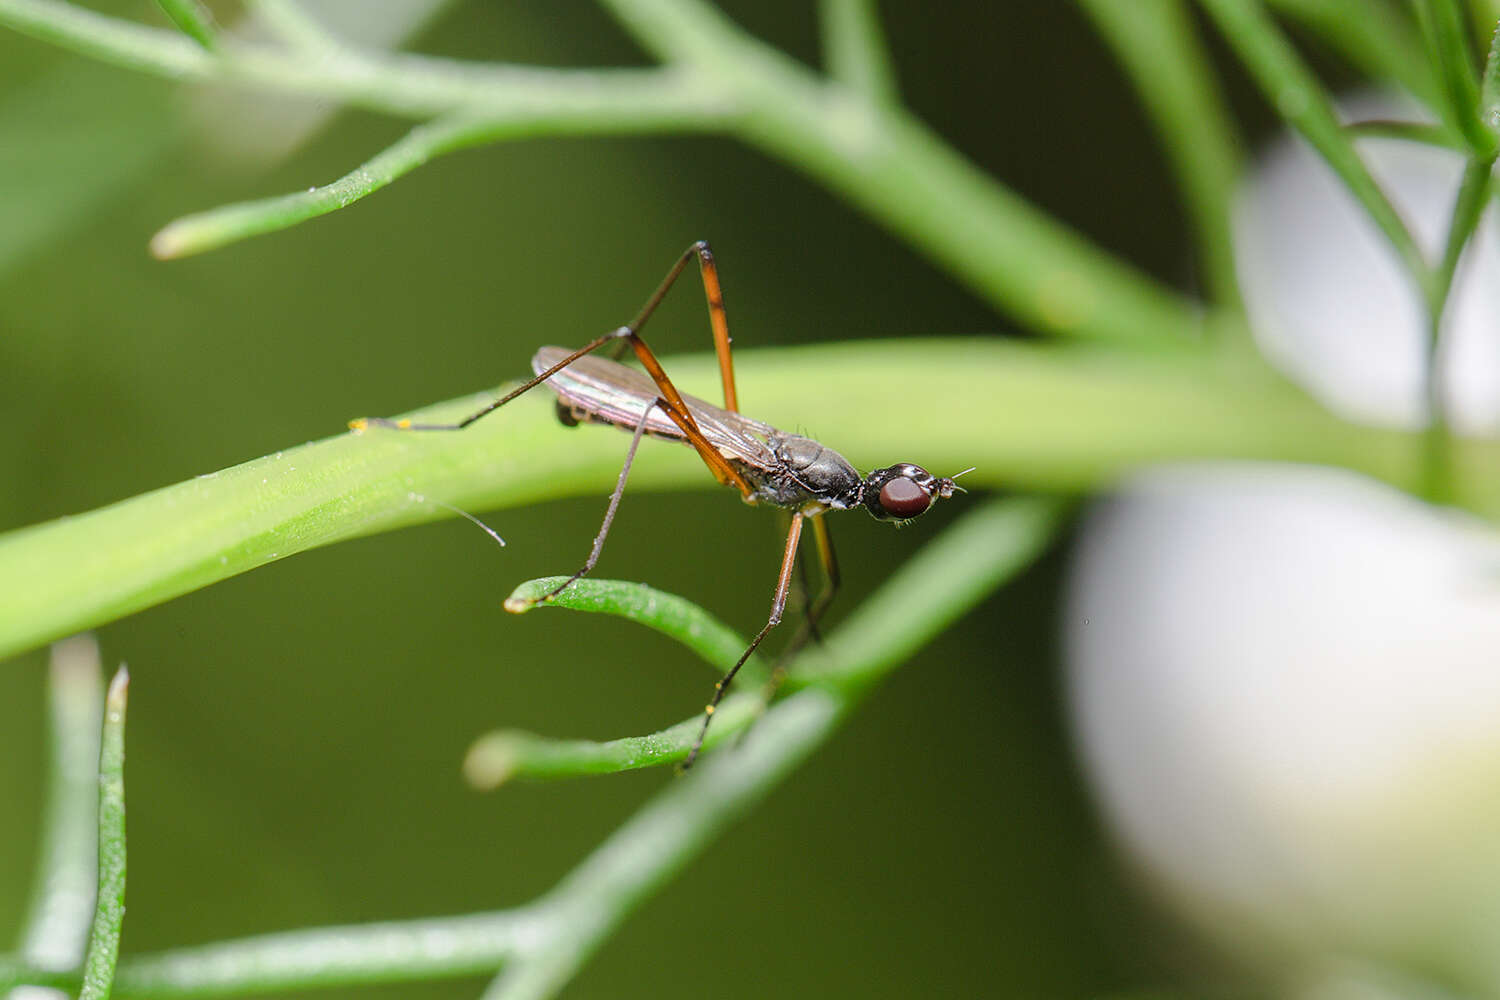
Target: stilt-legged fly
[[766, 465]]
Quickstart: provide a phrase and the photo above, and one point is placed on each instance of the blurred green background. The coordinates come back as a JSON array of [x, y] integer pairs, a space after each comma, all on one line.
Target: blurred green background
[[296, 733]]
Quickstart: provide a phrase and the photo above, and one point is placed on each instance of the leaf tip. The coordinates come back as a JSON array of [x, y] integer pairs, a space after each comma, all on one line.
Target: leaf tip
[[491, 761], [529, 594], [119, 687], [170, 243]]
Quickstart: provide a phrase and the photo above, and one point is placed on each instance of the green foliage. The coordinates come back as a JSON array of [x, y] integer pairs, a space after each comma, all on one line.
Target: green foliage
[[1145, 375]]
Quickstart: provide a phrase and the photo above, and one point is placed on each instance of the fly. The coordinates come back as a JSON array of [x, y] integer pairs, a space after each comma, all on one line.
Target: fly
[[766, 465]]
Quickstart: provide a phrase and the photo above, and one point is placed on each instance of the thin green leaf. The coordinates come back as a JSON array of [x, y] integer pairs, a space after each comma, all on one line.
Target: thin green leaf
[[499, 756], [193, 20], [1156, 42], [1443, 27], [1299, 97], [506, 754], [108, 39], [658, 842], [1015, 256], [57, 924], [109, 908], [295, 26], [986, 547], [1468, 206], [403, 84], [322, 957], [943, 580], [674, 617], [1489, 90], [208, 230], [543, 943], [854, 49], [1373, 36], [1440, 136], [719, 80]]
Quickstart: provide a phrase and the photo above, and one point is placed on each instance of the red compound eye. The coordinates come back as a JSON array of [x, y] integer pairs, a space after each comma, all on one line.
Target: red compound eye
[[904, 498]]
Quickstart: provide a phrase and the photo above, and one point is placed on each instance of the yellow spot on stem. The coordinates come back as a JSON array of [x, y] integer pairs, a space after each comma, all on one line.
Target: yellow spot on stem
[[708, 710], [404, 424], [358, 424]]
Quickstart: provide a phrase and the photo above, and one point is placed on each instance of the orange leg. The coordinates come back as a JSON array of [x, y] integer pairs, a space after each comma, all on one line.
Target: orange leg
[[671, 403], [708, 270], [778, 605]]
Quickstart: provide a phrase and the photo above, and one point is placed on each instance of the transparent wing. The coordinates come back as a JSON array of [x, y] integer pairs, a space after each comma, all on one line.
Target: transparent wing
[[609, 392]]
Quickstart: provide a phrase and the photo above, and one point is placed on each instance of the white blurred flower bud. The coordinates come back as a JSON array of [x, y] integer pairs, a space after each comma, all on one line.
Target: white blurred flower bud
[[1286, 681]]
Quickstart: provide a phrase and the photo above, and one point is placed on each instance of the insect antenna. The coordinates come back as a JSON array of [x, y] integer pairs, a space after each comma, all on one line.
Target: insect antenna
[[955, 476], [419, 498]]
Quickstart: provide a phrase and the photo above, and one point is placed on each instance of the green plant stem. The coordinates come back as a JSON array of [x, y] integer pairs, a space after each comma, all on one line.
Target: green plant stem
[[656, 843], [395, 951], [1028, 417], [507, 754], [635, 105], [109, 906], [297, 28], [901, 174], [854, 49], [1489, 86], [1156, 43], [193, 20], [57, 924], [1444, 29], [683, 621], [1483, 16], [499, 756], [1427, 134], [543, 943], [1373, 37], [395, 83], [718, 80], [108, 39], [1300, 99], [863, 651], [1469, 205]]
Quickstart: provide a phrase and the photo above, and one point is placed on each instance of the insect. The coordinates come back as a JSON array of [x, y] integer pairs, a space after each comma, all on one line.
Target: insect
[[766, 465]]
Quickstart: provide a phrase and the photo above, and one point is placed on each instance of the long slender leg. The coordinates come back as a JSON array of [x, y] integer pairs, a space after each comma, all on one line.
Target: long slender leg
[[672, 402], [708, 270], [802, 592], [812, 612], [808, 630], [719, 320], [488, 408], [831, 581], [518, 606], [819, 604], [831, 577], [778, 605]]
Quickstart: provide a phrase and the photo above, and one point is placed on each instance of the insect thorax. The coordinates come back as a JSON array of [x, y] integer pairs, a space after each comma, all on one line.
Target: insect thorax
[[806, 475]]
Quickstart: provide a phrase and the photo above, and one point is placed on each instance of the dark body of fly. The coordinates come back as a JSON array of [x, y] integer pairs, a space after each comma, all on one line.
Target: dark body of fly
[[784, 470]]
